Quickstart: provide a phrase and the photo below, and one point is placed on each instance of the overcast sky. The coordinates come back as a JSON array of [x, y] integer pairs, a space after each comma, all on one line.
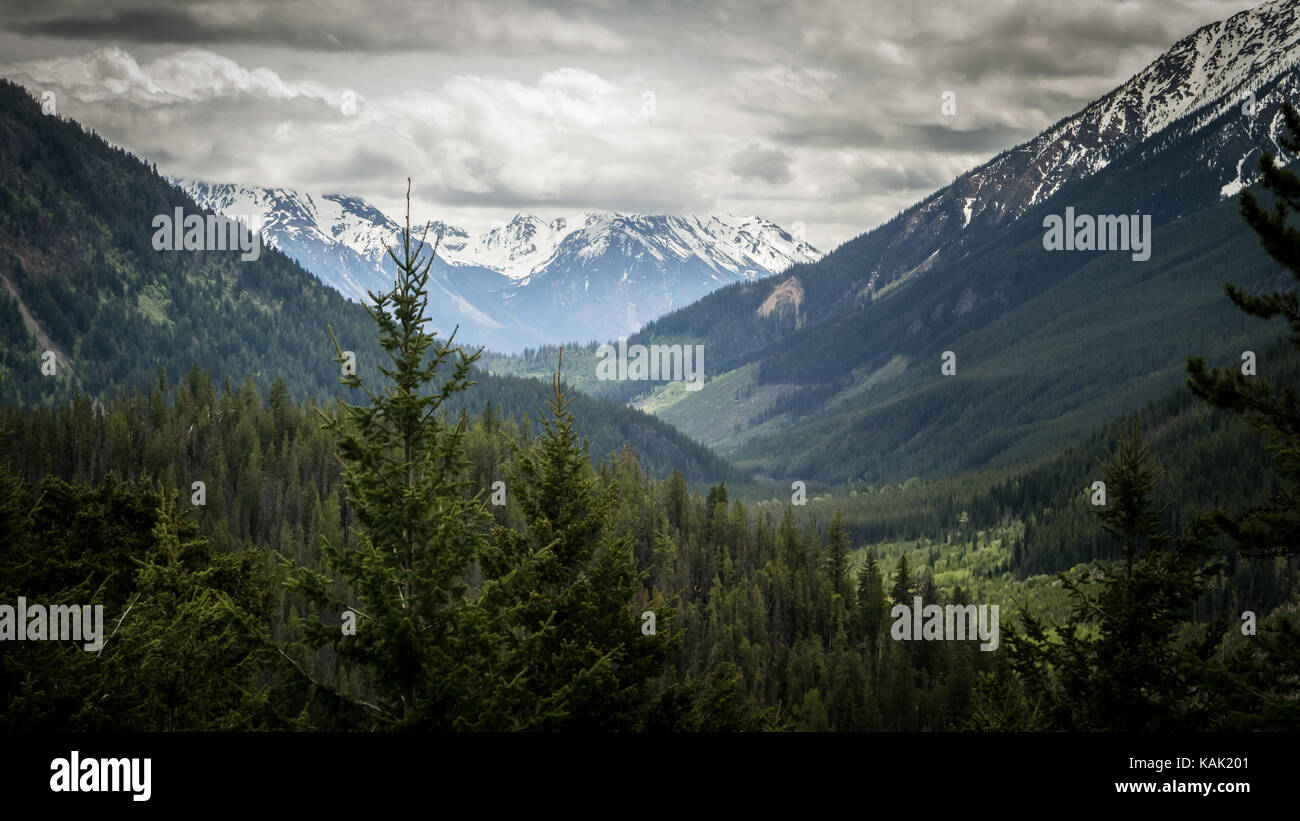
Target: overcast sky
[[825, 112]]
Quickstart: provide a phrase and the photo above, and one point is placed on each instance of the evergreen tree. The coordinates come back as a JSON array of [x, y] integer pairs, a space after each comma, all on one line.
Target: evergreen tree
[[717, 495], [871, 598], [182, 632], [417, 530], [1264, 670], [1272, 528], [189, 647], [837, 557], [564, 590], [1119, 662], [901, 593]]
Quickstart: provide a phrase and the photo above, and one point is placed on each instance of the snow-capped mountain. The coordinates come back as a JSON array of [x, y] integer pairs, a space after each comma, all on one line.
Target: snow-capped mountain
[[1246, 63], [630, 269], [338, 238], [529, 281], [735, 247]]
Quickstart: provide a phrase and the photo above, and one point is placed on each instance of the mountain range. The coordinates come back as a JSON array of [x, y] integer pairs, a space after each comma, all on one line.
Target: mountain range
[[526, 282]]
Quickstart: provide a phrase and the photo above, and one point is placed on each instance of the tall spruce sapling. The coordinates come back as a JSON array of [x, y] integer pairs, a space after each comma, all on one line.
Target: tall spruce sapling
[[564, 589], [418, 529]]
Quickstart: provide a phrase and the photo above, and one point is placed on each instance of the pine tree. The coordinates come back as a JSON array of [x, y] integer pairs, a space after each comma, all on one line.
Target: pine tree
[[1119, 662], [417, 528], [901, 593], [564, 590], [717, 495], [837, 558], [187, 651], [1272, 528], [871, 598]]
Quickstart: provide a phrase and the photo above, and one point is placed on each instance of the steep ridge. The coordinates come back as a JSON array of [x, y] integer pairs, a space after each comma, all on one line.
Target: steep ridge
[[1047, 343], [1200, 81]]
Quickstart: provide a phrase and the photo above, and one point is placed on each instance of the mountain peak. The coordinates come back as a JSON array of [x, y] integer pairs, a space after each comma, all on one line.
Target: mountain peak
[[597, 274], [1247, 58]]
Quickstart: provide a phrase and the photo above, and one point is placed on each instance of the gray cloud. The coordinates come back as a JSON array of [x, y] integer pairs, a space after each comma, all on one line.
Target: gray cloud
[[824, 111], [771, 165], [375, 25]]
